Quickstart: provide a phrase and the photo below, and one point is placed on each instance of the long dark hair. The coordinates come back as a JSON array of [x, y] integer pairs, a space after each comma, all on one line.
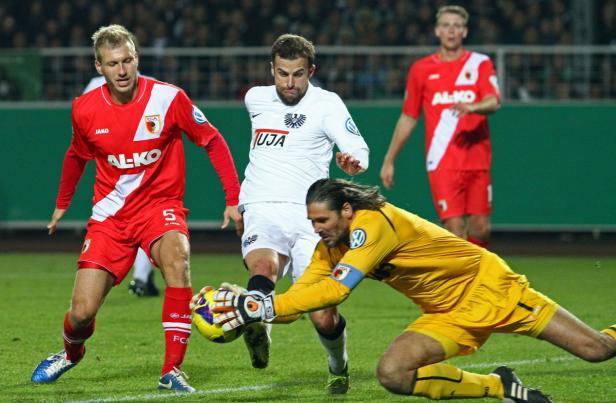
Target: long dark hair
[[336, 192]]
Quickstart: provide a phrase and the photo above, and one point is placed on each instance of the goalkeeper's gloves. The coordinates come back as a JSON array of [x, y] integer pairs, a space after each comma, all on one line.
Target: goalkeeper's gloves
[[195, 298], [233, 287], [235, 310]]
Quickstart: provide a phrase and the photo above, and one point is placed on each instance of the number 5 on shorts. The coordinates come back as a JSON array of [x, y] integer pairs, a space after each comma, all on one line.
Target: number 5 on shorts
[[169, 215]]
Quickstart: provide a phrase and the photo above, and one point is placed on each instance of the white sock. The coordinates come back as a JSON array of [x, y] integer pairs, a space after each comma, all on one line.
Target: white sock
[[337, 356], [142, 265]]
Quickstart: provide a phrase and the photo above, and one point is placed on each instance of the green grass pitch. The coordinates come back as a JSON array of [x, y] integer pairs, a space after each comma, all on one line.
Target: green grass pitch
[[125, 354]]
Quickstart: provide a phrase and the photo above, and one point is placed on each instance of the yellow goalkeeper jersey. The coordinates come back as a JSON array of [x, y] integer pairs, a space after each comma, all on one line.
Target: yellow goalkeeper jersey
[[423, 261]]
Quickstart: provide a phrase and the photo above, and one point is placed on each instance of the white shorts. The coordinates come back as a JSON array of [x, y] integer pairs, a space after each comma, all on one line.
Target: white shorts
[[283, 227]]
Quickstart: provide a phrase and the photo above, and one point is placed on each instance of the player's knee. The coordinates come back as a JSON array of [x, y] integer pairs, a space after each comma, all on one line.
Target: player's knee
[[455, 225], [81, 314], [325, 321], [395, 378], [264, 267], [479, 229]]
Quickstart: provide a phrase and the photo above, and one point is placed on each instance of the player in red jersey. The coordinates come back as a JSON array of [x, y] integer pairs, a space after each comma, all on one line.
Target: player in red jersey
[[456, 89], [132, 127]]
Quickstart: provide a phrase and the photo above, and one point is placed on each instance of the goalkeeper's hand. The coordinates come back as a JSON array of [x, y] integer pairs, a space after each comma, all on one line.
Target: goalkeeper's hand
[[195, 298], [235, 310], [233, 287]]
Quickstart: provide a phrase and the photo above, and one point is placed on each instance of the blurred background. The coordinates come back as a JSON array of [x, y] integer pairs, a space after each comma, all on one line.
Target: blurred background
[[553, 139]]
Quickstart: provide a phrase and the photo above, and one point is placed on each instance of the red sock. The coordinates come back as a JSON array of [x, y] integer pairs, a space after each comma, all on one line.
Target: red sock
[[177, 325], [477, 241], [74, 339]]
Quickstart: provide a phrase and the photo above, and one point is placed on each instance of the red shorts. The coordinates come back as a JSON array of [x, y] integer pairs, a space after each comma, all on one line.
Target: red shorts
[[112, 244], [460, 193]]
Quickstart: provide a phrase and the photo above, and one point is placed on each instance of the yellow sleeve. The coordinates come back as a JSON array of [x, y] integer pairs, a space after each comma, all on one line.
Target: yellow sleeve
[[315, 289], [333, 273]]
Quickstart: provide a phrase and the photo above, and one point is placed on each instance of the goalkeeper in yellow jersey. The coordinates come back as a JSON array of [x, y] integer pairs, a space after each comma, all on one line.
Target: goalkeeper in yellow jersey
[[466, 293]]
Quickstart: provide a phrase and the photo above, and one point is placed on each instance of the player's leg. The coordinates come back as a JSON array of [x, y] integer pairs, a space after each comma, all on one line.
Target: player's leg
[[264, 246], [91, 287], [411, 366], [479, 230], [263, 266], [331, 328], [103, 262], [142, 283], [455, 225], [448, 196], [171, 252], [571, 334], [479, 206]]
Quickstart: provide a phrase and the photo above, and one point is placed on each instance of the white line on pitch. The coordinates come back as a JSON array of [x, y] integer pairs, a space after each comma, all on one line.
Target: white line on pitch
[[166, 395], [163, 395]]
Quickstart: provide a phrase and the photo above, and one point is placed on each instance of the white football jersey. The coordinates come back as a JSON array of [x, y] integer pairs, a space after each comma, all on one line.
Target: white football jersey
[[292, 146]]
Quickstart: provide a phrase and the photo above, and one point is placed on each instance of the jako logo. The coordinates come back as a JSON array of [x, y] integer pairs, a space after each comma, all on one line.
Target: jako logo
[[445, 97], [138, 159], [102, 131]]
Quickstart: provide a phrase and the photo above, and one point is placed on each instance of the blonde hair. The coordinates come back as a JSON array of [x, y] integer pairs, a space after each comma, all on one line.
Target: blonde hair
[[113, 36], [458, 10]]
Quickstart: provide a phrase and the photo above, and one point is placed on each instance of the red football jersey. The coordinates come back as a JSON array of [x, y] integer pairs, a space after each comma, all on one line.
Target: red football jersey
[[452, 142], [138, 149]]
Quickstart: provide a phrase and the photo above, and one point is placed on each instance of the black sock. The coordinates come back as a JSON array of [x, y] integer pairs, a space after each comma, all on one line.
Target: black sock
[[261, 283], [337, 331]]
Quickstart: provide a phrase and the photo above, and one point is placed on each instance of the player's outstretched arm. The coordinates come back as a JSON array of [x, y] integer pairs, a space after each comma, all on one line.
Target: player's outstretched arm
[[57, 215]]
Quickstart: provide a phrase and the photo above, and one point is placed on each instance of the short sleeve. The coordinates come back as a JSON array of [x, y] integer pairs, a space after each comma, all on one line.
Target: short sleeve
[[412, 97], [488, 81]]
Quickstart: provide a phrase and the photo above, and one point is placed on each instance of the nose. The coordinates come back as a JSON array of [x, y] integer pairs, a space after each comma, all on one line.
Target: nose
[[122, 69], [290, 83]]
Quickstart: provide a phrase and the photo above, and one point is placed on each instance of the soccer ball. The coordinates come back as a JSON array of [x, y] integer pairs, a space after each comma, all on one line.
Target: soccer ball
[[203, 318]]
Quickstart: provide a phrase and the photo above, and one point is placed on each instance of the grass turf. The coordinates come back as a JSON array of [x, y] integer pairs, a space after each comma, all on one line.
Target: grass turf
[[125, 354]]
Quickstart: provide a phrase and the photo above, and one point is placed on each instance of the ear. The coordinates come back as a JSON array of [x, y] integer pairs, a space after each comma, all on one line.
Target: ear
[[465, 33], [311, 70], [97, 65], [347, 211], [272, 69]]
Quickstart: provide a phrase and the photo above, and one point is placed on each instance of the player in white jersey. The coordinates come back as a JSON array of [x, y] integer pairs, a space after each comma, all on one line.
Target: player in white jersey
[[142, 283], [294, 128]]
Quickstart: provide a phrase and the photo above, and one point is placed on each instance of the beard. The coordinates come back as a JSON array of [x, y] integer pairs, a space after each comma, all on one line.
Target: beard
[[292, 102]]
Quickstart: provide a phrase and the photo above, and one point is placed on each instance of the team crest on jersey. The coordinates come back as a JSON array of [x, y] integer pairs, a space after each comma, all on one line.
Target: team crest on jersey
[[198, 115], [351, 127], [358, 238], [294, 120], [153, 123], [340, 272]]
